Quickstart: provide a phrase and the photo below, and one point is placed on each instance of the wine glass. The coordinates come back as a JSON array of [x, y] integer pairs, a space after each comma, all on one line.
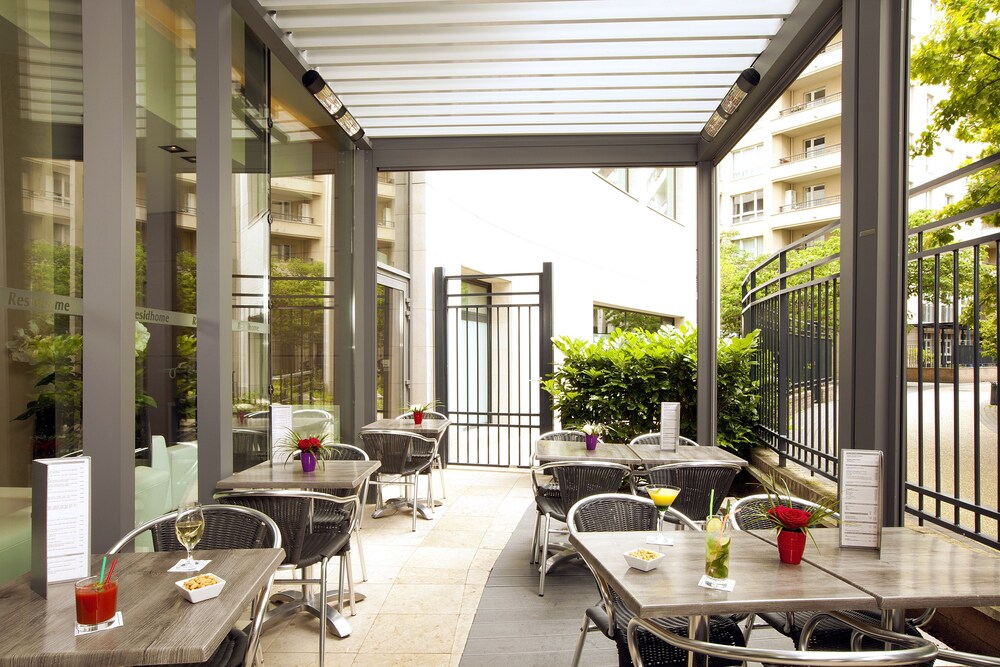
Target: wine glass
[[663, 497], [189, 526]]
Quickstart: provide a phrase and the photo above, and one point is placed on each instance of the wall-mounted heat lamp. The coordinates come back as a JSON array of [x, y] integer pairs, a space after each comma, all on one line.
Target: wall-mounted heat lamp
[[730, 103], [328, 99]]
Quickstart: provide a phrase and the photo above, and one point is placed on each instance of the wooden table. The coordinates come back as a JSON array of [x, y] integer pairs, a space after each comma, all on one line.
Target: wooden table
[[550, 451], [652, 455], [345, 475], [763, 583], [160, 627], [917, 568]]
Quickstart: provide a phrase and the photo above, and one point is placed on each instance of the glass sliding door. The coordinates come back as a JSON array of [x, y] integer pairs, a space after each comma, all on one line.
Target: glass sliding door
[[391, 368]]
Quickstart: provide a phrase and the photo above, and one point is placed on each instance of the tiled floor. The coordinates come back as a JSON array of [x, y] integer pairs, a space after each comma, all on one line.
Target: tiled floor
[[423, 588]]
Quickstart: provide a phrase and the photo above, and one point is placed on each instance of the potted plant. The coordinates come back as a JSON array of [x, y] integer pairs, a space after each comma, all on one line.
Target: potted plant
[[794, 523], [311, 450], [593, 432], [418, 410]]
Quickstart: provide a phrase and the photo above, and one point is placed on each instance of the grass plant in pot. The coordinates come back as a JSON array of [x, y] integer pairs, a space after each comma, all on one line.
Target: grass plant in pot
[[418, 410], [311, 450], [593, 433], [793, 522]]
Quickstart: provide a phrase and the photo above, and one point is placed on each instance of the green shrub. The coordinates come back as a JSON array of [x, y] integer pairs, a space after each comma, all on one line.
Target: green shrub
[[620, 381]]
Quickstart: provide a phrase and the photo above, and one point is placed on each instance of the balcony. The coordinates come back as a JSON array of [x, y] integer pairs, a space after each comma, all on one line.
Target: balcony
[[808, 166], [814, 211], [821, 112], [387, 230], [288, 217]]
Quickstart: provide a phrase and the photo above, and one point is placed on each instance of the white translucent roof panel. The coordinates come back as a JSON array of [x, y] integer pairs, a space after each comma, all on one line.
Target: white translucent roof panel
[[418, 68]]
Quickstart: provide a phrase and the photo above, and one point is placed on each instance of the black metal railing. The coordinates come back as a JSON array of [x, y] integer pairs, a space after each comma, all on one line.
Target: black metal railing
[[810, 154], [810, 104], [795, 306], [289, 217], [810, 203]]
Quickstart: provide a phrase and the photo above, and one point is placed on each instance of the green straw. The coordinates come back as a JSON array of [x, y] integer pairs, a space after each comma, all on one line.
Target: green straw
[[104, 563], [711, 503]]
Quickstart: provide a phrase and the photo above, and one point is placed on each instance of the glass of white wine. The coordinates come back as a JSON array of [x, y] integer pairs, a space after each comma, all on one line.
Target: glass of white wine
[[189, 526]]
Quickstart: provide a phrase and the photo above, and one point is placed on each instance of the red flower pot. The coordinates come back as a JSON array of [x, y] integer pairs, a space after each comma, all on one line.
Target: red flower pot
[[791, 544], [418, 418], [591, 442], [308, 461]]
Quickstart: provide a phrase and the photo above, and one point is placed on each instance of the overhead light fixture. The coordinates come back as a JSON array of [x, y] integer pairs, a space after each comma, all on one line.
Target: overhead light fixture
[[173, 148], [730, 103], [328, 99], [190, 158]]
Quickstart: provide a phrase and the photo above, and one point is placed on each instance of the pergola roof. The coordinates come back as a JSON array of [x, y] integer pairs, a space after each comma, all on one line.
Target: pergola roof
[[444, 68]]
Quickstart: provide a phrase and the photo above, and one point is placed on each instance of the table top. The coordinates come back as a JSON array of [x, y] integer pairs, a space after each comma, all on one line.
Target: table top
[[430, 427], [652, 455], [333, 475], [763, 583], [550, 451], [917, 567], [160, 627]]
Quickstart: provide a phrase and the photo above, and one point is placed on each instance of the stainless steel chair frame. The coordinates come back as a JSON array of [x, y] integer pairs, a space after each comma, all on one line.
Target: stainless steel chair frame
[[437, 456], [392, 505]]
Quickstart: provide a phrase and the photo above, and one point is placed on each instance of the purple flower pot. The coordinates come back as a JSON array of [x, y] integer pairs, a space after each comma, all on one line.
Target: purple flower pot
[[591, 442], [308, 461]]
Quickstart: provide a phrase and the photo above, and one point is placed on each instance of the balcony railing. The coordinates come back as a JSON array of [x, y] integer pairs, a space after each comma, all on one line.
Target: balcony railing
[[57, 197], [388, 224], [810, 154], [810, 104], [810, 203], [288, 217]]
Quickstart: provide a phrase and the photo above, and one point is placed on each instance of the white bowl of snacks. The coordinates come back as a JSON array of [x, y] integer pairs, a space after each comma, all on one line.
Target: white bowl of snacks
[[201, 587], [643, 559]]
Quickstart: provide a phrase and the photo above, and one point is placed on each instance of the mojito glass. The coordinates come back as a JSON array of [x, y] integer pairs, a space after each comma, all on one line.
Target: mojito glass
[[717, 540]]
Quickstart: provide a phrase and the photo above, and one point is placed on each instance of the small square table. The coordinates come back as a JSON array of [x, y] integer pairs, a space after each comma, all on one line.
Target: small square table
[[652, 455], [341, 475], [160, 627], [551, 451]]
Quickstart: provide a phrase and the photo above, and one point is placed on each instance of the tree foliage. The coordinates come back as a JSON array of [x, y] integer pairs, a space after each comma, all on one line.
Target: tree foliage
[[620, 380], [734, 265]]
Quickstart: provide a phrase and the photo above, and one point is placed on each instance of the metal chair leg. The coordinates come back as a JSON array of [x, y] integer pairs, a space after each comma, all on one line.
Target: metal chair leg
[[543, 556], [534, 539], [440, 467], [322, 619], [361, 553], [584, 629], [350, 583]]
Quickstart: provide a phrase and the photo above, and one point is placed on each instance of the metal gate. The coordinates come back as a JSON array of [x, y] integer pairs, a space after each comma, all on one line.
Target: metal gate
[[493, 342]]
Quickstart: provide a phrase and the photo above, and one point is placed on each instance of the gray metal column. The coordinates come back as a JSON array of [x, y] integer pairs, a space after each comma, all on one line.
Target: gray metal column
[[354, 284], [708, 302], [109, 272], [215, 183], [873, 223], [546, 353]]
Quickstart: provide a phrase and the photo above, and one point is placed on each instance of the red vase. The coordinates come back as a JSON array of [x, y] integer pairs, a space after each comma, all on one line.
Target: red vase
[[418, 418], [308, 461], [791, 544], [591, 442]]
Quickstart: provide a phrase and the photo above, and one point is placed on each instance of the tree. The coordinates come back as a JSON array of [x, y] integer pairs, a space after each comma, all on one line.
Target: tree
[[734, 265], [962, 52]]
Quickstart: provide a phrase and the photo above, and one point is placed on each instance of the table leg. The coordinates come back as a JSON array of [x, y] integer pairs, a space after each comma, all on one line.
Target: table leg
[[698, 628], [293, 601], [895, 621]]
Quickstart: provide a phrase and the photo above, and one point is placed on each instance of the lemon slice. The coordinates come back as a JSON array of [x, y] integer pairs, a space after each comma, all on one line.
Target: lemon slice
[[713, 524]]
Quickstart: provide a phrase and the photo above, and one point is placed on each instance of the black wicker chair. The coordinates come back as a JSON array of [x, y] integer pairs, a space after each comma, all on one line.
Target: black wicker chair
[[336, 519], [404, 457], [698, 482], [305, 546], [225, 528], [432, 414], [654, 439], [576, 480], [613, 512], [826, 633]]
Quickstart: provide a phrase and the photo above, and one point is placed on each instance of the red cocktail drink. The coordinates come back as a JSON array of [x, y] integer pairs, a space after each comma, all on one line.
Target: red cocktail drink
[[96, 602]]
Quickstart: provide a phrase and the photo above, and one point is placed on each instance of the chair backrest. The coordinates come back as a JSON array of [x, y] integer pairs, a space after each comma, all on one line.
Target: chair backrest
[[918, 650], [291, 511], [225, 528], [396, 449], [249, 447], [429, 414], [580, 479], [697, 482], [341, 451], [572, 436], [611, 512], [654, 439], [749, 513]]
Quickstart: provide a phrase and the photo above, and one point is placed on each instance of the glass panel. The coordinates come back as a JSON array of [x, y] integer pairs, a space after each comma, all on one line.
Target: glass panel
[[166, 226], [41, 260], [251, 344], [389, 344], [393, 214], [302, 299]]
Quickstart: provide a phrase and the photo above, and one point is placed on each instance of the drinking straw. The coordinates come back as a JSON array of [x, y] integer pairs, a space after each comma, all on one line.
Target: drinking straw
[[112, 569], [711, 503], [104, 563]]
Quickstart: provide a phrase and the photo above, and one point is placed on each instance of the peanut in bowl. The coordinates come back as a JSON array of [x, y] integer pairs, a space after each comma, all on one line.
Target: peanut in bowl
[[201, 587], [643, 559]]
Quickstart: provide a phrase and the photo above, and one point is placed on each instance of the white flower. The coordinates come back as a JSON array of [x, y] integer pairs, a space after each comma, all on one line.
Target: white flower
[[141, 337]]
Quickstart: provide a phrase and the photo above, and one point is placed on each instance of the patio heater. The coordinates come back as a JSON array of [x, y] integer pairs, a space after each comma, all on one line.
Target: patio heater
[[730, 103], [319, 88]]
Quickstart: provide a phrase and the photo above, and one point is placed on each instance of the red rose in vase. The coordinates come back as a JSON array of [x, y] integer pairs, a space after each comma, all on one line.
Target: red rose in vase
[[789, 518]]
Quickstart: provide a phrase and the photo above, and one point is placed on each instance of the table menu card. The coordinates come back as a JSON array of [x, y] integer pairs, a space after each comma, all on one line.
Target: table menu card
[[60, 521], [861, 498], [281, 427], [670, 426]]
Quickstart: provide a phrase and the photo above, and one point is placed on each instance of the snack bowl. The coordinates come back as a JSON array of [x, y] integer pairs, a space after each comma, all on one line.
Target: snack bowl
[[643, 559], [204, 591]]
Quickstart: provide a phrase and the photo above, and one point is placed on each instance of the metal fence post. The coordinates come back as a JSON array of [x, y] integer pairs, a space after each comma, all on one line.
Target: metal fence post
[[546, 356], [783, 351]]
